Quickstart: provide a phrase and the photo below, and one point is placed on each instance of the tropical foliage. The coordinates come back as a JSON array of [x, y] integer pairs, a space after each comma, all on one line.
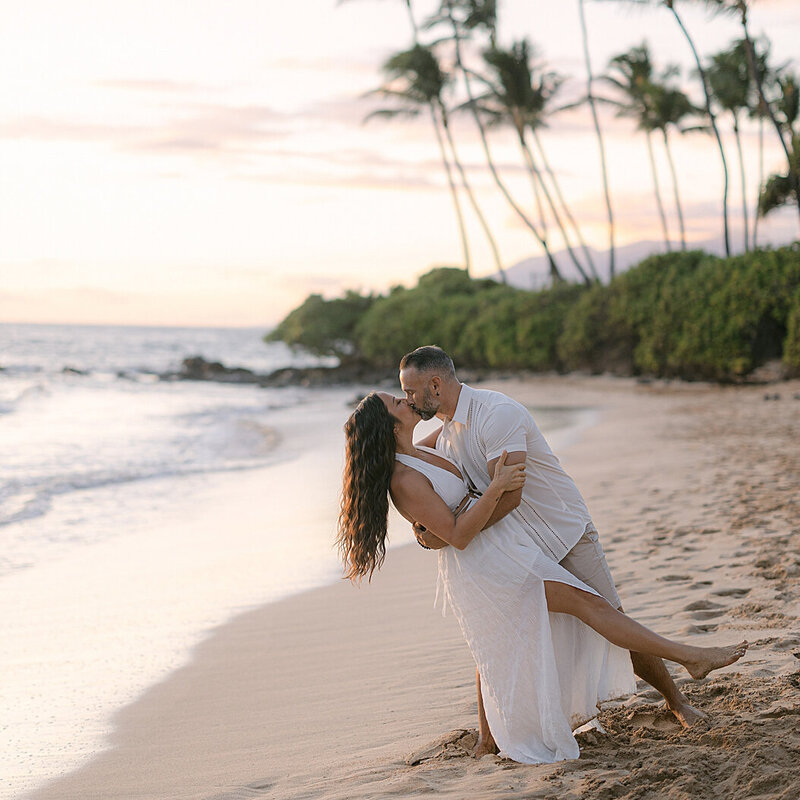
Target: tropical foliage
[[686, 314]]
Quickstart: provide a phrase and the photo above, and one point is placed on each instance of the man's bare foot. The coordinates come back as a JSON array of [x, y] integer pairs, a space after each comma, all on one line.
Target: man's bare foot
[[687, 714], [484, 748], [711, 658]]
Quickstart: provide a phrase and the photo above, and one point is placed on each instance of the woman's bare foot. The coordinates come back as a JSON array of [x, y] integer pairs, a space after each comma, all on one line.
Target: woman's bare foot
[[687, 714], [484, 748], [711, 658]]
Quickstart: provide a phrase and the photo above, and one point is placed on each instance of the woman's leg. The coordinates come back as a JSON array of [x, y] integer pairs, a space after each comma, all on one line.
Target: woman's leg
[[486, 743], [625, 632]]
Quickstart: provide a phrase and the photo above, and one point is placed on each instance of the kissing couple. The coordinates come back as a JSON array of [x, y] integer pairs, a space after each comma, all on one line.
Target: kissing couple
[[520, 561]]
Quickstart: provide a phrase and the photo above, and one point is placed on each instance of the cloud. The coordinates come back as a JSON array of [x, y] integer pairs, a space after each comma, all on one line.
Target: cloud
[[214, 128], [200, 128], [364, 66], [156, 85]]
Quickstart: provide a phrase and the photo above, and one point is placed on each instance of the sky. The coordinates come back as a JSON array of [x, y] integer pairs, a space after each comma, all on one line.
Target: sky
[[206, 162]]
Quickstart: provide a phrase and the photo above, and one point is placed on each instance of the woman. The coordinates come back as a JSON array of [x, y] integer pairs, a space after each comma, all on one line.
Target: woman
[[542, 674]]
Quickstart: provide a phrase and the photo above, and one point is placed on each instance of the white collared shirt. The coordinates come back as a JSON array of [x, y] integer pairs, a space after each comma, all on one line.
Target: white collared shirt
[[484, 424]]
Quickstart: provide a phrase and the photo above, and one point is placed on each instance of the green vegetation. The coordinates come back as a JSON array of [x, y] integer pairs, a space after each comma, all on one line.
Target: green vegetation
[[688, 315], [324, 327]]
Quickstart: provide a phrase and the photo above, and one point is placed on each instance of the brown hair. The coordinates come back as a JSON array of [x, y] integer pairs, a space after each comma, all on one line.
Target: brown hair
[[369, 460]]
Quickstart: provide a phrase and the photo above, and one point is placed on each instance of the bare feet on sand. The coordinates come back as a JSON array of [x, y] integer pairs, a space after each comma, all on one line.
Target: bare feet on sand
[[706, 659], [484, 748], [687, 714]]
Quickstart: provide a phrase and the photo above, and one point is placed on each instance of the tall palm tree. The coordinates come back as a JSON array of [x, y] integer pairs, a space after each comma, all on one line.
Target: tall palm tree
[[729, 78], [519, 93], [670, 6], [786, 137], [447, 13], [599, 133], [458, 164], [460, 167], [670, 107], [757, 110], [780, 190], [416, 81], [631, 75], [479, 14]]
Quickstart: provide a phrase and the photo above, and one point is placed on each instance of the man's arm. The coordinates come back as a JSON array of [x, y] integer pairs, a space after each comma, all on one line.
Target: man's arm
[[510, 500]]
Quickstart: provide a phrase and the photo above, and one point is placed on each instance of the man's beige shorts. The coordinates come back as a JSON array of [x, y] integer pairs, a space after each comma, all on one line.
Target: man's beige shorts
[[587, 561]]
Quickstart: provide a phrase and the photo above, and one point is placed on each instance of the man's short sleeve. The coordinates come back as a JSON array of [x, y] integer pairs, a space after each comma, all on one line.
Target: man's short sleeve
[[505, 428]]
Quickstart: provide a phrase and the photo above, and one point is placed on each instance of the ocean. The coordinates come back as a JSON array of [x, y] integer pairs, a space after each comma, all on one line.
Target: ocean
[[137, 514]]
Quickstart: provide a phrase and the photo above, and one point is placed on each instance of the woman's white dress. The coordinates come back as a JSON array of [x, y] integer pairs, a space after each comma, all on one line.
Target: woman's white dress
[[542, 674]]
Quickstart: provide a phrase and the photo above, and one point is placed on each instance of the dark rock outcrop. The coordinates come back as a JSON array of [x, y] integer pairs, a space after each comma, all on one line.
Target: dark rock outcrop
[[197, 368]]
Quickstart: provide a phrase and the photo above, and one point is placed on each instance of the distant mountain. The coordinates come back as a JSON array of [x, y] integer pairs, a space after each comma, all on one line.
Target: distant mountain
[[533, 273]]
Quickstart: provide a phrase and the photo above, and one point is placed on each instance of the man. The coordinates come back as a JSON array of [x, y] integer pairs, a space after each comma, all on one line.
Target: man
[[477, 425]]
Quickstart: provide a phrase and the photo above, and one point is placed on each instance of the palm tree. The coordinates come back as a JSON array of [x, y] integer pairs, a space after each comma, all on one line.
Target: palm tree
[[519, 93], [741, 7], [631, 74], [459, 166], [670, 5], [479, 14], [457, 161], [416, 81], [670, 107], [780, 190], [447, 14], [729, 78], [601, 146], [758, 111]]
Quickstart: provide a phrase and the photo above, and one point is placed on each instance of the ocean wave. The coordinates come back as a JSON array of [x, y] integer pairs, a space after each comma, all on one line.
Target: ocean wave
[[8, 405], [20, 502]]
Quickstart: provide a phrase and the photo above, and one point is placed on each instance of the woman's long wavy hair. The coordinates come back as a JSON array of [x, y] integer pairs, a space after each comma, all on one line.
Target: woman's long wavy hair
[[369, 460]]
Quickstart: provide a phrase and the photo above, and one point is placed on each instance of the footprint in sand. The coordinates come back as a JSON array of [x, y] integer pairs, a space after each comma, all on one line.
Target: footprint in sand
[[656, 721], [702, 605], [456, 744], [705, 609], [735, 592]]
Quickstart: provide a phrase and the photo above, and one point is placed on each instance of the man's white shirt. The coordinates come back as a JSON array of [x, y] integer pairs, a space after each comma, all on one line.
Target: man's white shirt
[[484, 424]]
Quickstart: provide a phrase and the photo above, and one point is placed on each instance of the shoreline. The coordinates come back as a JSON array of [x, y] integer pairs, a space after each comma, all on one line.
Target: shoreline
[[325, 693]]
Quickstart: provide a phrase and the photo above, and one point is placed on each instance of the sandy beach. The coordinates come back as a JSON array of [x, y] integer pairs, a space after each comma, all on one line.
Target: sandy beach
[[358, 693]]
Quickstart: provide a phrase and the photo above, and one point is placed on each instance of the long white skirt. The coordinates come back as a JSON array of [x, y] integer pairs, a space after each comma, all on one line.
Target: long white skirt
[[542, 674]]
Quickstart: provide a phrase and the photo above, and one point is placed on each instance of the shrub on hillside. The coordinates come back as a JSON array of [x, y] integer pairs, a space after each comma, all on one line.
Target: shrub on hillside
[[791, 349], [324, 327], [687, 315]]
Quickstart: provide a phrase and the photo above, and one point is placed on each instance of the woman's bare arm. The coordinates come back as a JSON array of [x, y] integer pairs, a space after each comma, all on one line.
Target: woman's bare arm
[[416, 499]]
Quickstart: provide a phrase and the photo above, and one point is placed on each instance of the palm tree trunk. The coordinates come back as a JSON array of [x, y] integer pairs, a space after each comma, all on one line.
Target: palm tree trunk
[[414, 28], [794, 178], [760, 177], [674, 175], [560, 197], [470, 195], [554, 271], [713, 120], [657, 190], [744, 186], [456, 202], [537, 194], [536, 176], [596, 120]]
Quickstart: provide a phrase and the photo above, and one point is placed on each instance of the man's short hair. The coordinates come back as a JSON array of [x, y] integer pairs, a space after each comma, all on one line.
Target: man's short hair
[[429, 359]]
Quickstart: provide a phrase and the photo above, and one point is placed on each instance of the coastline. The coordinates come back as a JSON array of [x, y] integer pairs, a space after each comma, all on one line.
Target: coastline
[[325, 693]]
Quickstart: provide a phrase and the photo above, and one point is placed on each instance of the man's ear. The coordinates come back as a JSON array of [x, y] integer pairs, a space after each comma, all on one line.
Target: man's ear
[[435, 384]]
